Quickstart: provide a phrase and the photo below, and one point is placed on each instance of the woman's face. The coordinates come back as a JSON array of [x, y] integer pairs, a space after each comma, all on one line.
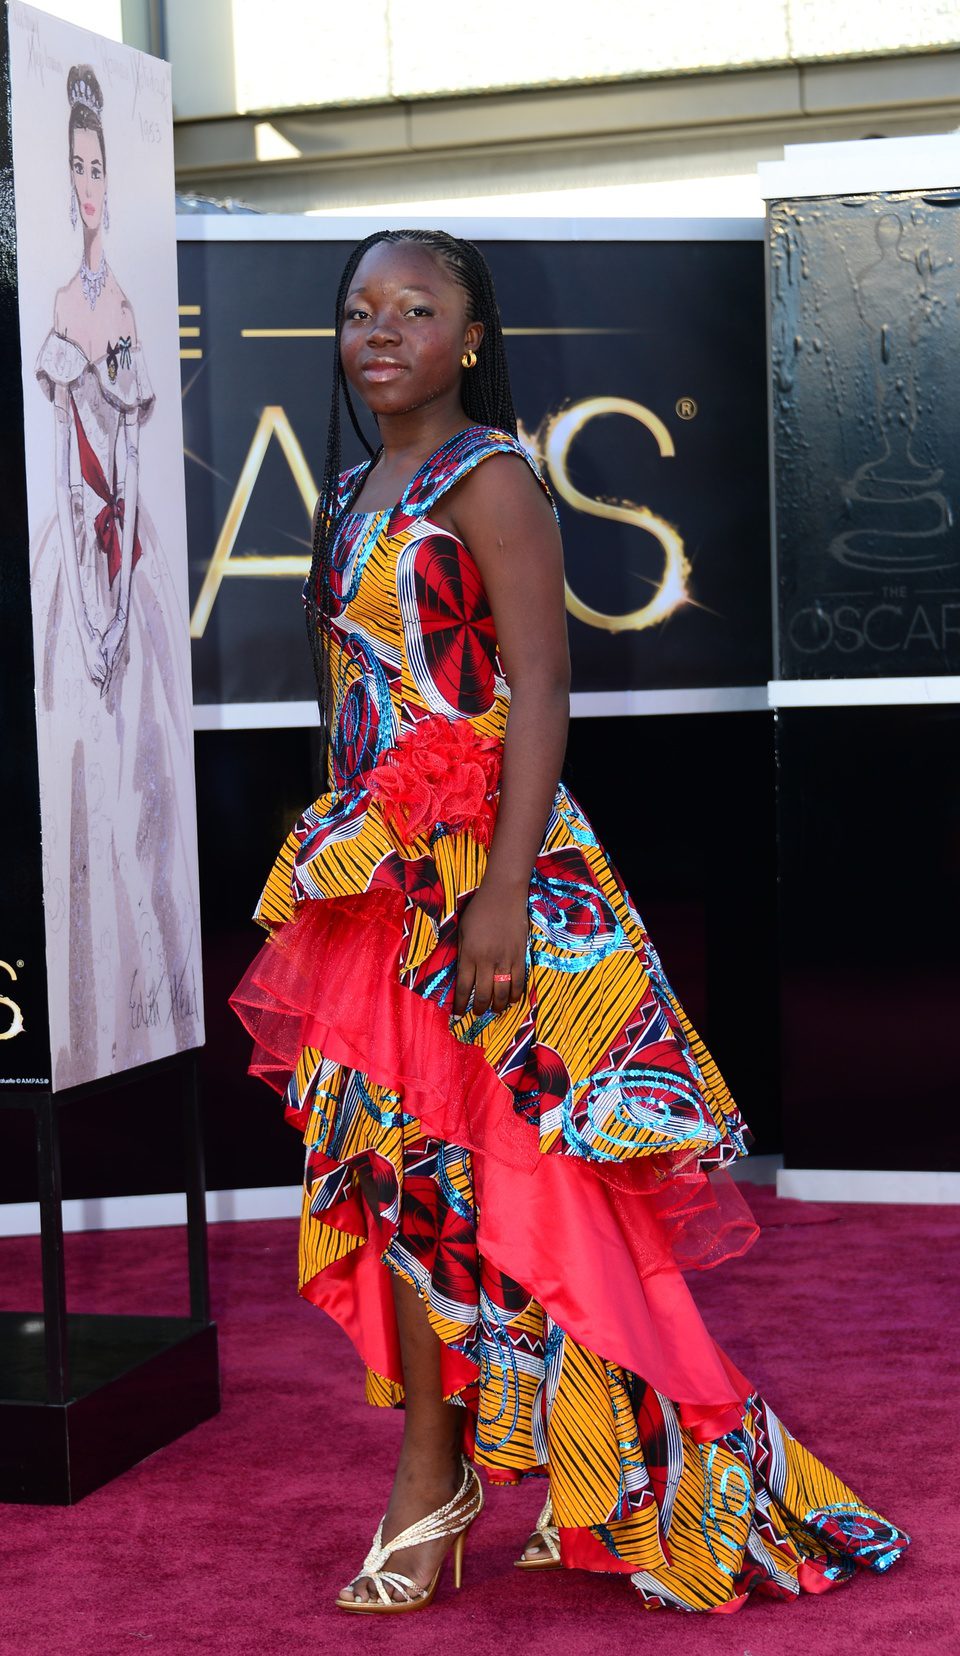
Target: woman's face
[[404, 329], [89, 179]]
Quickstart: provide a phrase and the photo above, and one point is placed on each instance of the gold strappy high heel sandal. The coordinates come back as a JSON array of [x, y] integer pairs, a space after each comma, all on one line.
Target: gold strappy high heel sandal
[[550, 1536], [453, 1519]]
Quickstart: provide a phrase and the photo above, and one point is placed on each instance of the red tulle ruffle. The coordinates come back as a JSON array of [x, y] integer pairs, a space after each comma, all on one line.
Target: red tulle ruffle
[[599, 1244], [440, 770], [329, 980]]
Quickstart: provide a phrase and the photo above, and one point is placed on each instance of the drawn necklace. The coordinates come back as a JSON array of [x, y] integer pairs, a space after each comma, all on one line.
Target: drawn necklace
[[92, 281]]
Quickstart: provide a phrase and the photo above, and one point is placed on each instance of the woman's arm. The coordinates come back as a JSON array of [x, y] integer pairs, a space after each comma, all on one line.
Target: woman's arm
[[503, 516], [117, 629], [90, 640]]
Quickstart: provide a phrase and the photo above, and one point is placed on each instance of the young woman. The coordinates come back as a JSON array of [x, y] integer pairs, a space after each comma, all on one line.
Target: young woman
[[509, 1119], [114, 708]]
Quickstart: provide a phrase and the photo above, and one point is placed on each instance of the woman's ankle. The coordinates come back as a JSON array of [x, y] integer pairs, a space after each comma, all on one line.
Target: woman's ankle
[[432, 1467], [434, 1442]]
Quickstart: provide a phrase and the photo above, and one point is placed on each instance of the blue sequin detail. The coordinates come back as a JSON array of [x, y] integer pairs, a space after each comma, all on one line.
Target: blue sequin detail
[[632, 1106], [730, 1472], [853, 1525], [557, 908], [371, 686], [577, 826], [342, 554], [383, 1118], [604, 1534], [316, 1108], [343, 801], [348, 482], [439, 987], [886, 1559], [449, 1153], [494, 1338], [454, 459], [476, 1026], [708, 1516]]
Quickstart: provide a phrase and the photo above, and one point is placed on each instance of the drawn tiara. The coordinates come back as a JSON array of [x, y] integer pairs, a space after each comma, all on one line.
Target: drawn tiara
[[81, 93]]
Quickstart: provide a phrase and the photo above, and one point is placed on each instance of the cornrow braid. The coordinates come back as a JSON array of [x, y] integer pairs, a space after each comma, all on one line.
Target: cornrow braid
[[485, 392]]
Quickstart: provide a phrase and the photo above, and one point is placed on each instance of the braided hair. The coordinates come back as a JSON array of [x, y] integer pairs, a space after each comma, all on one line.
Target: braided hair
[[485, 392]]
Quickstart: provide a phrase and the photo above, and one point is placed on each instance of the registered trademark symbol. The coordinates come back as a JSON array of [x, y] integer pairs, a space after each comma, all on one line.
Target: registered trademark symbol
[[686, 408], [19, 965]]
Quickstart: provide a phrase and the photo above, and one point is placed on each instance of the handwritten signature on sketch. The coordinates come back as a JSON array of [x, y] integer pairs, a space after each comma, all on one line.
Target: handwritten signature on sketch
[[170, 998], [39, 57]]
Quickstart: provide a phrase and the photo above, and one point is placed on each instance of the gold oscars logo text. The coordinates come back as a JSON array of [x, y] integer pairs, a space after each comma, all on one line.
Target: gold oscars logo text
[[11, 1017], [550, 445]]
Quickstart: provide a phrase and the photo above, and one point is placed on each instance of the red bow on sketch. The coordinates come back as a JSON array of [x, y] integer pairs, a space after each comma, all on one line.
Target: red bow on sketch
[[109, 520]]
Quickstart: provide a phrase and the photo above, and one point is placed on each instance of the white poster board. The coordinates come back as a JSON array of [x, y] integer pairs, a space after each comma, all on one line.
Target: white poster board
[[97, 275]]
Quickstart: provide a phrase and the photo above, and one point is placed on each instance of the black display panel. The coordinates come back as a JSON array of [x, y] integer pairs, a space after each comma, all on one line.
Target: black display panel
[[865, 338], [869, 857], [639, 379]]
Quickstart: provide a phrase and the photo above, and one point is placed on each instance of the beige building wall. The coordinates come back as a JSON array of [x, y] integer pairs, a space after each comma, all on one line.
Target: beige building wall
[[305, 53], [609, 106]]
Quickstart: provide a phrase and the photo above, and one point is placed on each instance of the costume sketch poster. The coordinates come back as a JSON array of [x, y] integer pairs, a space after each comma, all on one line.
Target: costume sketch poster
[[97, 277]]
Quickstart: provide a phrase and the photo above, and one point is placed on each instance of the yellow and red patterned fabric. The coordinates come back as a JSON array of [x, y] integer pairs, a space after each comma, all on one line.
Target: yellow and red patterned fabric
[[569, 1144]]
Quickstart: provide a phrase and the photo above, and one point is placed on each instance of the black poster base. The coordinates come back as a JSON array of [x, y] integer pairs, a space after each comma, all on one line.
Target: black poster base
[[138, 1383], [83, 1398]]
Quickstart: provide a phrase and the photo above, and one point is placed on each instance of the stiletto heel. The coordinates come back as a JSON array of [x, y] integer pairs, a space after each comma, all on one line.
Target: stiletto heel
[[454, 1519], [458, 1547]]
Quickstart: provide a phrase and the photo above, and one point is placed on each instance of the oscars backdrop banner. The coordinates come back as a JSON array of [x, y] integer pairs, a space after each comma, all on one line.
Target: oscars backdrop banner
[[96, 267], [639, 377], [865, 314]]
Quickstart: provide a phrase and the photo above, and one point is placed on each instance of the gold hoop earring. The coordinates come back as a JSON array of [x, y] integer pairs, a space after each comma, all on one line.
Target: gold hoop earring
[[469, 359]]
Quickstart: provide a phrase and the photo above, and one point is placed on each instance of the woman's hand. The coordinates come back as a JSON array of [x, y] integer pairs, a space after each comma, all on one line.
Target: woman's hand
[[112, 643], [91, 645], [493, 939]]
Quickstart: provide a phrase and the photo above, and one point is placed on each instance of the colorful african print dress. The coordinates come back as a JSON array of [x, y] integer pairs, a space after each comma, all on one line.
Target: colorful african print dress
[[543, 1176]]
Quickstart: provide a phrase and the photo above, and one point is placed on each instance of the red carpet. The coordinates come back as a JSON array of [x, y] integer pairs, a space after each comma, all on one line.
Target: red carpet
[[236, 1538]]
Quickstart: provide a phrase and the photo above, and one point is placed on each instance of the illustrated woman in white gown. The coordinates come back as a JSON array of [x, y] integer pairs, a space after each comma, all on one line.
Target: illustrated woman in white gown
[[113, 689]]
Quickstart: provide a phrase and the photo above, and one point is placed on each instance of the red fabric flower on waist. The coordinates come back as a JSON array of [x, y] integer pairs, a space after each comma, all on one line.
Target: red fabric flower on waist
[[440, 770]]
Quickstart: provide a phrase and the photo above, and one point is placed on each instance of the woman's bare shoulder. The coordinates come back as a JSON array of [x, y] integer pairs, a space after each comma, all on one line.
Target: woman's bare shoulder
[[64, 304], [504, 486], [121, 310]]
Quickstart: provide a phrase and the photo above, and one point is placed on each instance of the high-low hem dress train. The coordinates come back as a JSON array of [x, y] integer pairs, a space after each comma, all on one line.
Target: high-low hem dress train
[[543, 1176]]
